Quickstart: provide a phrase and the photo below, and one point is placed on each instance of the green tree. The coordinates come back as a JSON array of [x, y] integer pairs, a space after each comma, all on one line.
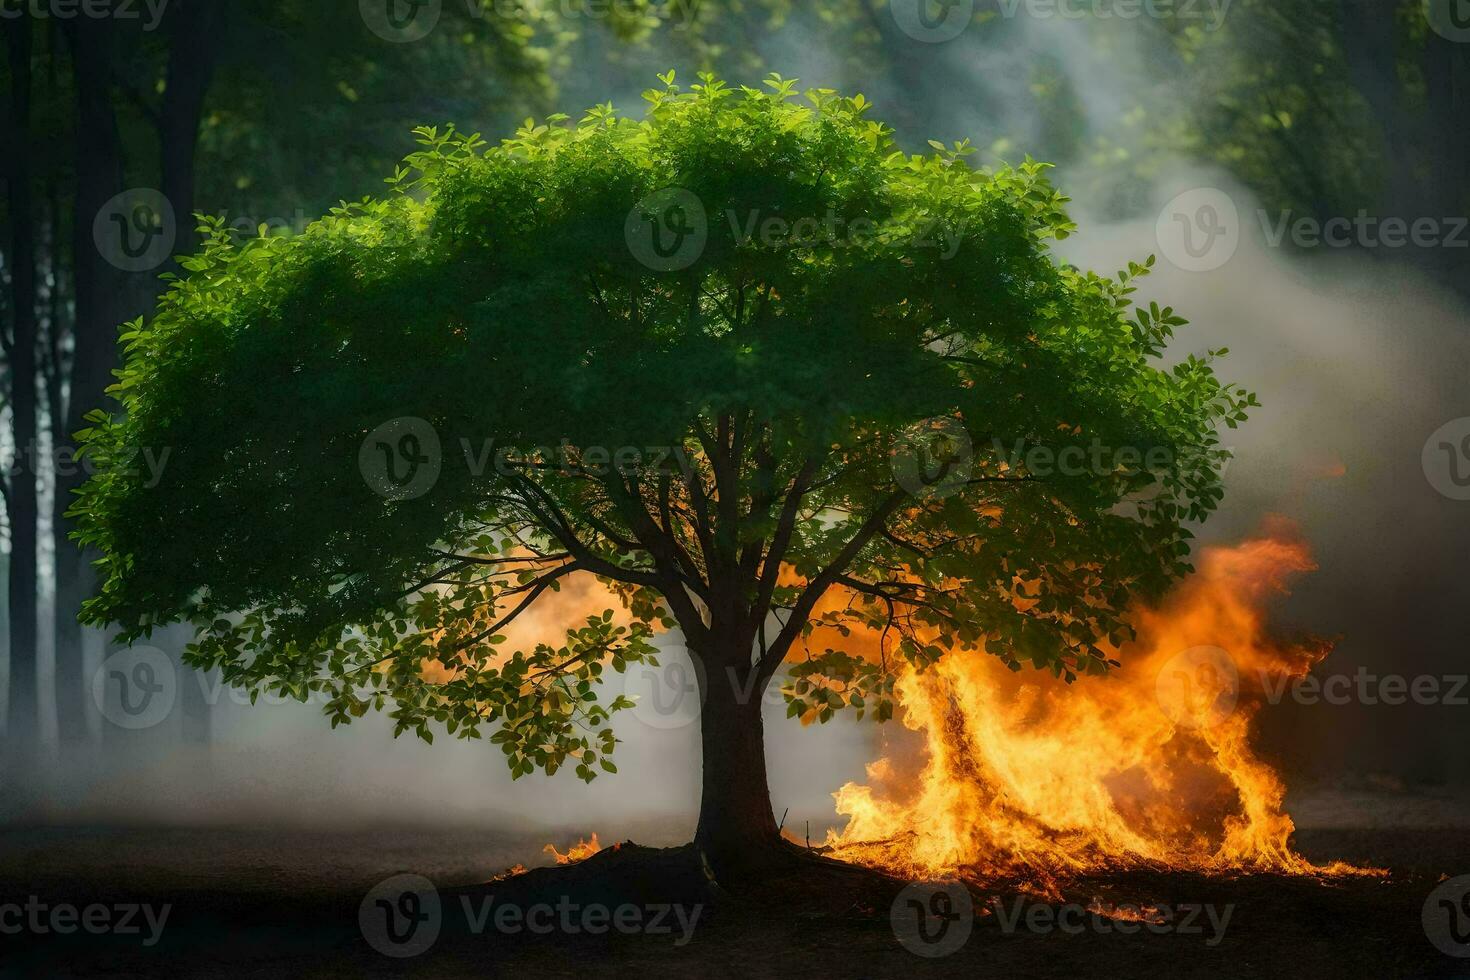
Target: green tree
[[795, 377]]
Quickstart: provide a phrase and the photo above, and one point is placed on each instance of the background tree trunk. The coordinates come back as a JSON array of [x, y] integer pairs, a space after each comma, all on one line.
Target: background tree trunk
[[102, 302], [191, 27], [20, 346], [1427, 149]]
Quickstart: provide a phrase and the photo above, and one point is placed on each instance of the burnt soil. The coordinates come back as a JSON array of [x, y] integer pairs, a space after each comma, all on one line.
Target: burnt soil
[[252, 903]]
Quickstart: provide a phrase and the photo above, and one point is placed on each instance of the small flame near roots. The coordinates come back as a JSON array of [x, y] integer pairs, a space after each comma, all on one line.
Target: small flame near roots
[[1026, 780], [580, 851]]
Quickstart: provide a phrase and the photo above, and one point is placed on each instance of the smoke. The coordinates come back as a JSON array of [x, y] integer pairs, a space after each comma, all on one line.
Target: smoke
[[278, 763], [1356, 363]]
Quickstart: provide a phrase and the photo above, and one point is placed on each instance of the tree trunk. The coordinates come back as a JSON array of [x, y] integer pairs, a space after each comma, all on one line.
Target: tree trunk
[[71, 690], [24, 695], [102, 299], [737, 829], [71, 684], [1427, 149], [191, 27], [1446, 68]]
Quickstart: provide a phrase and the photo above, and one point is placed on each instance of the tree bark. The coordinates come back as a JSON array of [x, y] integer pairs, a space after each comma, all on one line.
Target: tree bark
[[1369, 41], [24, 715], [1427, 148], [72, 696], [737, 829], [102, 299], [191, 27]]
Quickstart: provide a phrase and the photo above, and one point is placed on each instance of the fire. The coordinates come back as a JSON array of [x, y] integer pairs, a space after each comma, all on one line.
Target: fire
[[1028, 779], [580, 851]]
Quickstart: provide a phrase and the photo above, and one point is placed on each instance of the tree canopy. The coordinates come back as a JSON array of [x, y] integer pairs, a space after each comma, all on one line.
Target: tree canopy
[[738, 439]]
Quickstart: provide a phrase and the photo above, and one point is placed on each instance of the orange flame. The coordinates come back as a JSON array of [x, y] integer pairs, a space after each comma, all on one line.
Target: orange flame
[[1026, 778], [580, 851]]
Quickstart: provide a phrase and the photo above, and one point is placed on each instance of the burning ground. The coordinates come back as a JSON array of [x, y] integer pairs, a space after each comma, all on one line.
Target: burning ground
[[1023, 778]]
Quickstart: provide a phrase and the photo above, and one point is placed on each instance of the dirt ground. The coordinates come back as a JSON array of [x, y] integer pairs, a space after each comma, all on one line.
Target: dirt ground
[[252, 903]]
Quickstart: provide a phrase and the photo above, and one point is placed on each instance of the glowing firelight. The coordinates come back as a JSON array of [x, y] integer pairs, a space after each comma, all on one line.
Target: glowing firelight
[[1022, 777], [580, 851]]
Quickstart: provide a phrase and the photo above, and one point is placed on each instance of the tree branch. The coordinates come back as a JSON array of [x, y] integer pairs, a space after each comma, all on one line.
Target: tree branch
[[824, 580]]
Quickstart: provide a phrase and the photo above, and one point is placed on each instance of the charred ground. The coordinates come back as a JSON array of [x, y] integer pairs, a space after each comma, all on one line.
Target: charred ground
[[253, 903]]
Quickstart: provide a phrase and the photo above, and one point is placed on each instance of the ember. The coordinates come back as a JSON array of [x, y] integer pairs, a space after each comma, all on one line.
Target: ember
[[580, 851]]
